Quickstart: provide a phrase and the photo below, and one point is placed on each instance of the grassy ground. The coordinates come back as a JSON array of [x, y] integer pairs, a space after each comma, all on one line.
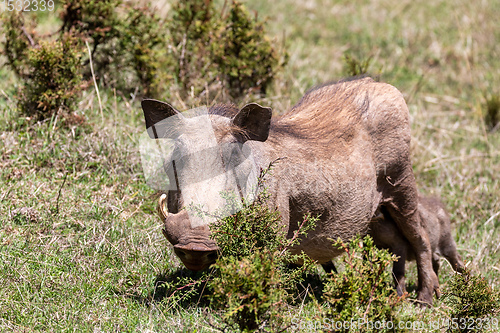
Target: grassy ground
[[80, 245]]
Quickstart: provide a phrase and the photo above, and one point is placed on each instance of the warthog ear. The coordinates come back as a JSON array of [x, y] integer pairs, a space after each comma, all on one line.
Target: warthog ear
[[255, 120], [154, 112]]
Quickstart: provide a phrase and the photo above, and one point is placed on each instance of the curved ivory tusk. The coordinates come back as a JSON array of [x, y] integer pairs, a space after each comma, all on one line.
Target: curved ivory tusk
[[162, 211]]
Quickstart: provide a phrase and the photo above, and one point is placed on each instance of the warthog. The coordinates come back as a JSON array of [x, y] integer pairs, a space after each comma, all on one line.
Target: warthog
[[344, 149], [435, 220]]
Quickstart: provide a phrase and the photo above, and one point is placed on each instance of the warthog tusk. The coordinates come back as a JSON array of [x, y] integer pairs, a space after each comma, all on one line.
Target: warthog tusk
[[162, 211]]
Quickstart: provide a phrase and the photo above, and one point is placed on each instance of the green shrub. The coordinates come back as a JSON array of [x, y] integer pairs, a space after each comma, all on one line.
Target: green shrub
[[200, 50], [355, 66], [251, 281], [252, 284], [18, 40], [363, 291], [470, 299], [210, 48], [244, 54], [54, 83], [250, 291], [253, 227], [492, 114], [191, 29], [142, 40], [98, 23], [50, 70], [128, 42], [97, 20]]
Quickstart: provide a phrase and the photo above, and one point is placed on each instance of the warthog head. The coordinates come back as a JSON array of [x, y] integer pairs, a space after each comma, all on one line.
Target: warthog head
[[206, 161]]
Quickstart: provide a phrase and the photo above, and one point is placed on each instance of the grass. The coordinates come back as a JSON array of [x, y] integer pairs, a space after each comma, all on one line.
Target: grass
[[90, 257]]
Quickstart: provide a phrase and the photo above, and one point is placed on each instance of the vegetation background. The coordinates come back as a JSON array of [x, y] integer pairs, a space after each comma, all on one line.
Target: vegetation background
[[80, 244]]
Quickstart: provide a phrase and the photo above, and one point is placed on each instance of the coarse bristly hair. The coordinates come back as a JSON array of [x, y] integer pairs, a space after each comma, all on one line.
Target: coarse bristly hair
[[308, 119], [328, 112], [224, 110], [228, 111]]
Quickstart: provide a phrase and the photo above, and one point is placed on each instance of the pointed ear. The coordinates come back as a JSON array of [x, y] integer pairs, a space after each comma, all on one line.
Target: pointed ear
[[255, 120], [154, 112]]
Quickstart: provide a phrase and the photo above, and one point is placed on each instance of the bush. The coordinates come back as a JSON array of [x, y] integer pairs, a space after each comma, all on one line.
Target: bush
[[492, 114], [210, 48], [142, 42], [244, 54], [50, 70], [196, 48], [355, 66], [255, 226], [470, 299], [250, 291], [363, 291], [197, 51], [18, 41], [127, 46], [97, 20], [54, 83], [127, 42], [191, 30], [252, 283]]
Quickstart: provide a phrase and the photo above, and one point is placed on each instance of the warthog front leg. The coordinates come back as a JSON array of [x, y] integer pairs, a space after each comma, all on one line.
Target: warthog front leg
[[402, 207]]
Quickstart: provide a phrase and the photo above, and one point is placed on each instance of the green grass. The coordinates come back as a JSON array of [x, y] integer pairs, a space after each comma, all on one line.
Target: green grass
[[91, 257]]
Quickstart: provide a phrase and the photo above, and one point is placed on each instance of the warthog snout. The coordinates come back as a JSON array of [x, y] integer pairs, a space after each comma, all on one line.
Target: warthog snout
[[192, 245], [195, 258]]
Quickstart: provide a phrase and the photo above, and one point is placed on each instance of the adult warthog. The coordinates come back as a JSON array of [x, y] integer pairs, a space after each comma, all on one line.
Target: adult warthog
[[344, 150]]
